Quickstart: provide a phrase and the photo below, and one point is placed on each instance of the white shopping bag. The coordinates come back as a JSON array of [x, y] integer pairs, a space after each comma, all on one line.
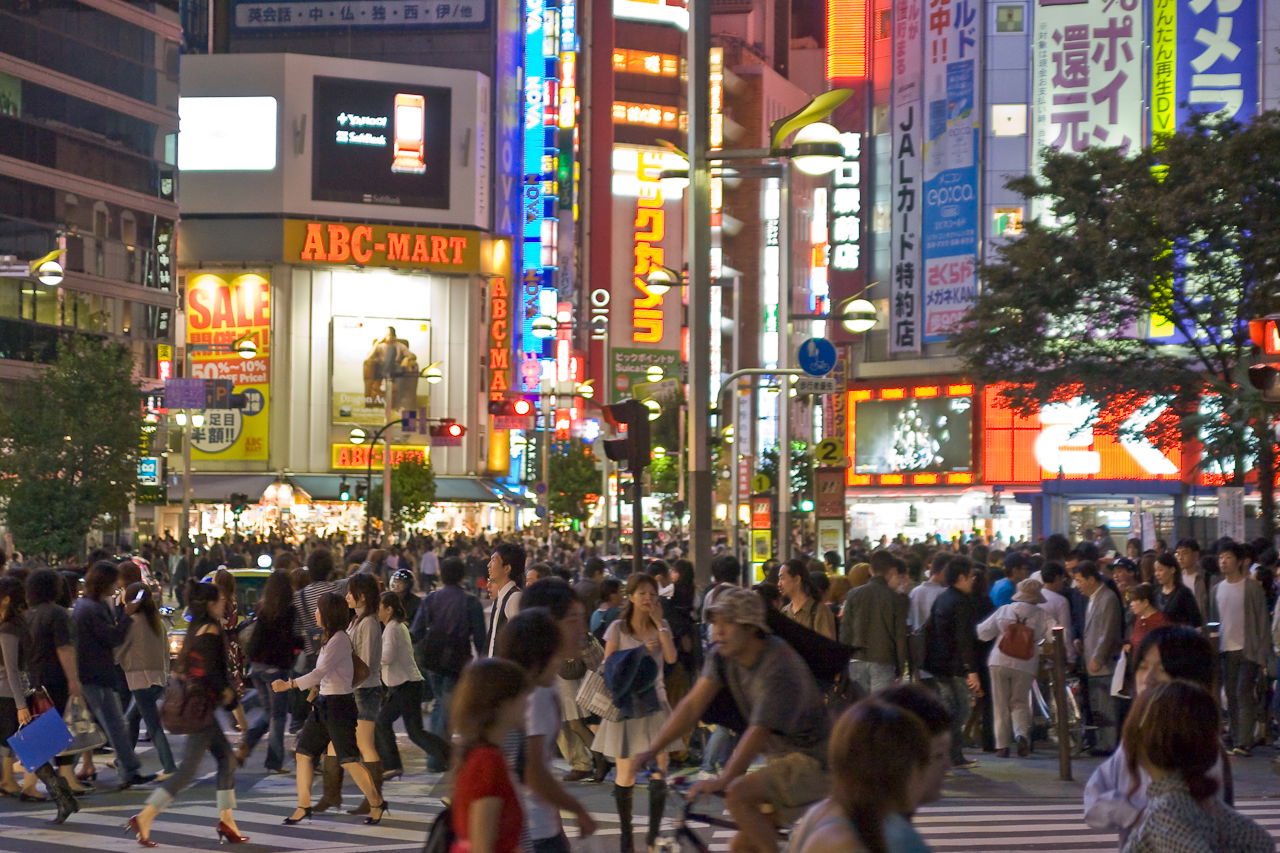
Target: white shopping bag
[[1117, 677]]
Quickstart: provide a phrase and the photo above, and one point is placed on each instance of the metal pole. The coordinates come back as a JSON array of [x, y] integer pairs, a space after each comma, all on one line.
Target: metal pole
[[545, 497], [186, 492], [698, 252], [388, 388], [1060, 702], [637, 521], [783, 545]]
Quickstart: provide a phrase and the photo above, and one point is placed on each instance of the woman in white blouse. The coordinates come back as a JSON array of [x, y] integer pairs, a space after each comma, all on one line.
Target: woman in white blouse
[[332, 722], [403, 699], [366, 638]]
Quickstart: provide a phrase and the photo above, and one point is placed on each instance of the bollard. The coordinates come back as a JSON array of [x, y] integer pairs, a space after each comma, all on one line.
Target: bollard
[[1060, 702]]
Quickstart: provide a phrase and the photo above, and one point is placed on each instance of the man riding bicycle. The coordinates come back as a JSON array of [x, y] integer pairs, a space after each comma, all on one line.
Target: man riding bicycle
[[785, 720]]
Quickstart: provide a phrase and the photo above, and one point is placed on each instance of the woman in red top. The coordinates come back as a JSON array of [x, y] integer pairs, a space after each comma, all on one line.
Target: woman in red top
[[488, 703], [1142, 603]]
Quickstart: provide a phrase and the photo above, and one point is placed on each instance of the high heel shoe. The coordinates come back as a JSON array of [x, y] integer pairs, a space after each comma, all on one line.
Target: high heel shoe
[[382, 808], [227, 835], [306, 815], [143, 840]]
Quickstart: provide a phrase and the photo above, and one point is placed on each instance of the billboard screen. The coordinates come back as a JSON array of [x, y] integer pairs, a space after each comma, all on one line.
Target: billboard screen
[[381, 143], [913, 435]]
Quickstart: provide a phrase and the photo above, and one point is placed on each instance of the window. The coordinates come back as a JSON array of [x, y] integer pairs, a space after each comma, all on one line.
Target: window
[[1011, 18], [879, 119], [1007, 222], [883, 24], [1009, 119]]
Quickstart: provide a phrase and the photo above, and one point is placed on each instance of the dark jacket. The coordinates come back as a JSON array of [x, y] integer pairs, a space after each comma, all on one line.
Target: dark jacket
[[205, 664], [952, 637], [453, 611], [632, 677], [274, 642], [1180, 606], [98, 631], [875, 623]]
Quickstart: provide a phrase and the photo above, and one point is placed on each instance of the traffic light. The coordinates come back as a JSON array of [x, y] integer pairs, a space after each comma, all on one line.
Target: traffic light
[[239, 502], [362, 491], [447, 433], [344, 491], [519, 407], [1265, 373], [633, 449]]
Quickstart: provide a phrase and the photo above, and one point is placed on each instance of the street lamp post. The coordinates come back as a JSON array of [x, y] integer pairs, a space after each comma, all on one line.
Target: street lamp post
[[359, 436]]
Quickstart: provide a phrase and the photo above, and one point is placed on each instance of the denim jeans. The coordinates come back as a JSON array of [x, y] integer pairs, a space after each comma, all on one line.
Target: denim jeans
[[719, 748], [104, 702], [405, 701], [872, 677], [208, 740], [442, 688], [954, 692], [274, 714], [144, 705]]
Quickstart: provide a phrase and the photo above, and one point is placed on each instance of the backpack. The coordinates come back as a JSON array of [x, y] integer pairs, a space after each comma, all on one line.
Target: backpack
[[1017, 640]]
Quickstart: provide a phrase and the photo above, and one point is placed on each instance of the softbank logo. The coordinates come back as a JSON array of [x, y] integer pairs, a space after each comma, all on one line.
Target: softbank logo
[[1067, 434]]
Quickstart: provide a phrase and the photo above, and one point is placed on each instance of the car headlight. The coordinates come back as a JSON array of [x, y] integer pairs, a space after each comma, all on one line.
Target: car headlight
[[175, 644]]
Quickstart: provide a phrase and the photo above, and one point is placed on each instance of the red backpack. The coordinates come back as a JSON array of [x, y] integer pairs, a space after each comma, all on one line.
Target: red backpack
[[1017, 640]]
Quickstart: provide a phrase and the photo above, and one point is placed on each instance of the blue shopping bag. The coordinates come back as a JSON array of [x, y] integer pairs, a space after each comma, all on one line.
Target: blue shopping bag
[[40, 740]]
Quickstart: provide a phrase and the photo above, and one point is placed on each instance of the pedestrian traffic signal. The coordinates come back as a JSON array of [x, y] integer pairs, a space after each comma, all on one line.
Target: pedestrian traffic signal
[[1265, 373], [520, 407], [362, 491], [632, 418], [344, 491]]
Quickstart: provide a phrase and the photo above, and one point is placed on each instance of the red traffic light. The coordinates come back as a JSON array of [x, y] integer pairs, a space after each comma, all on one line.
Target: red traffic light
[[1265, 334], [519, 407], [454, 430], [522, 407]]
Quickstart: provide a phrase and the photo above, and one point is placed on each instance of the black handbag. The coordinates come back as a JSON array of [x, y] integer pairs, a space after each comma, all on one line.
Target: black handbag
[[187, 707]]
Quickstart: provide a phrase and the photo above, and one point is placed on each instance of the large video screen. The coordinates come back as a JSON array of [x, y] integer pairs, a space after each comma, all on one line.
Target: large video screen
[[913, 435], [381, 143]]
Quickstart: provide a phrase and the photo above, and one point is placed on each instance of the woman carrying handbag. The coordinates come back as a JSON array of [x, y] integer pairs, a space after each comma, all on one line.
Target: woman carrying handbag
[[203, 664], [13, 693], [333, 715], [144, 657]]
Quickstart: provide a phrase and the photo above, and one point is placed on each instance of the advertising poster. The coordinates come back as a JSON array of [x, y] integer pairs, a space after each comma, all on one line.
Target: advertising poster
[[914, 435], [631, 367], [908, 144], [381, 143], [1217, 58], [951, 137], [1088, 74], [374, 356], [223, 309]]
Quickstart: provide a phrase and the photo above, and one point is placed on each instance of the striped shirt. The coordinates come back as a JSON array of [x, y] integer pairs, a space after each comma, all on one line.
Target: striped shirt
[[305, 601]]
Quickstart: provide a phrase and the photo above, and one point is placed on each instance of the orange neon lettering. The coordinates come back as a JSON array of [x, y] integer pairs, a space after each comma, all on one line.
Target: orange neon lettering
[[420, 249], [397, 246], [439, 246], [361, 236], [499, 358], [500, 290], [499, 331], [339, 243], [459, 245], [313, 245]]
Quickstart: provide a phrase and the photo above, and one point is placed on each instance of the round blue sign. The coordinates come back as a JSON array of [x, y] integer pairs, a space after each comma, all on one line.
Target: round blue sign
[[817, 356]]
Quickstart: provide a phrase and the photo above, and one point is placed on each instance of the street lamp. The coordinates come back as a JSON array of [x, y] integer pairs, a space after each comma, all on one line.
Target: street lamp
[[434, 373], [859, 316], [661, 279]]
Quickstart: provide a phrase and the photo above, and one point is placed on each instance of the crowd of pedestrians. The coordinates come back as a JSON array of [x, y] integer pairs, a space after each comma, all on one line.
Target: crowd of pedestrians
[[498, 657]]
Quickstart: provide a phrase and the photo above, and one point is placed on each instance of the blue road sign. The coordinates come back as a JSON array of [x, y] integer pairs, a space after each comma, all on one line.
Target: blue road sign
[[817, 356]]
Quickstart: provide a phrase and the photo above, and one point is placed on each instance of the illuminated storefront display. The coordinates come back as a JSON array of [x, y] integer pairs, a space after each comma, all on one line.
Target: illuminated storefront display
[[674, 12], [908, 147], [647, 62], [650, 228], [374, 357], [646, 115], [355, 457], [919, 435], [402, 247], [223, 308]]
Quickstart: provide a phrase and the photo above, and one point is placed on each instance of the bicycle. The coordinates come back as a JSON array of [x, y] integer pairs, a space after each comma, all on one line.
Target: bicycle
[[680, 837]]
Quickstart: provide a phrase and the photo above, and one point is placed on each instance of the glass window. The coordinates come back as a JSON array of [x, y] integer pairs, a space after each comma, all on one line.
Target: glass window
[[48, 307], [10, 291], [1009, 119], [1011, 18]]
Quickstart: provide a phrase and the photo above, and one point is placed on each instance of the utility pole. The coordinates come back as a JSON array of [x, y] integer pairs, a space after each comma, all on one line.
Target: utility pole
[[699, 257], [388, 386]]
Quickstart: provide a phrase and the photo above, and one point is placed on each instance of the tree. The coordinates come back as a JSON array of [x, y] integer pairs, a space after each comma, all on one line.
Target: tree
[[413, 490], [1135, 289], [70, 436], [801, 469], [572, 475]]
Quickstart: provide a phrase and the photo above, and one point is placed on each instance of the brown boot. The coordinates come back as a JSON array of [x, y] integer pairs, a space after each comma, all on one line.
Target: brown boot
[[332, 775], [375, 775]]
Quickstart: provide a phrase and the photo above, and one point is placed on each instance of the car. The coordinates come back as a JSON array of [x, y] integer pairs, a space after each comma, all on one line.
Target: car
[[249, 584]]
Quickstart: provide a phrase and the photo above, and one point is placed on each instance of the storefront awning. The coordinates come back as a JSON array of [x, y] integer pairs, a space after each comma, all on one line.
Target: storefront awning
[[217, 488]]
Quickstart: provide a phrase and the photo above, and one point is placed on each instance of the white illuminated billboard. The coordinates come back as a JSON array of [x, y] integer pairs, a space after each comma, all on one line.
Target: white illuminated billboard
[[227, 134]]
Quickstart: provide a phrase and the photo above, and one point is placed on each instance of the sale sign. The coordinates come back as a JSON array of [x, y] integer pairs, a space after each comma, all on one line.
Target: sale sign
[[225, 310]]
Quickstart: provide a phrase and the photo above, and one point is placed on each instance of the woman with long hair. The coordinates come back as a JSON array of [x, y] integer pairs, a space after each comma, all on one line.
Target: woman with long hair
[[639, 625], [366, 638], [488, 704], [404, 695], [144, 657], [13, 695], [1172, 598], [99, 630], [203, 662], [1173, 735], [271, 650], [879, 758], [332, 721], [804, 599], [51, 658], [226, 584]]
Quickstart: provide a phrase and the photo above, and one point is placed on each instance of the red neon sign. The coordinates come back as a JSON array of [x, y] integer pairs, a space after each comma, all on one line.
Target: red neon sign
[[846, 39]]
